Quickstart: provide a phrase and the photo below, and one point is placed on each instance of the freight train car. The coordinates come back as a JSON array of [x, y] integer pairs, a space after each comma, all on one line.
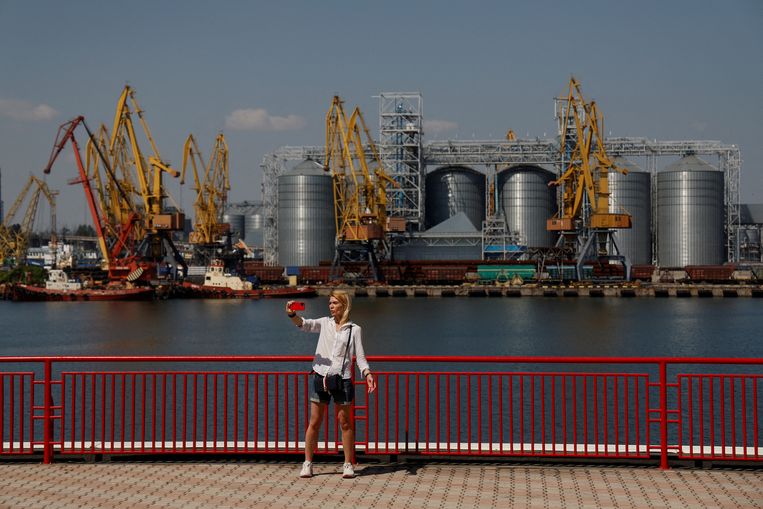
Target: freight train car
[[265, 275], [505, 273], [642, 272], [442, 274], [315, 275], [710, 273]]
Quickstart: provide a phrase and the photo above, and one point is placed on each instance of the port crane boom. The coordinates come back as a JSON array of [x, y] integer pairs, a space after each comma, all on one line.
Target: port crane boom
[[151, 242], [584, 181], [585, 221], [211, 189], [14, 238], [114, 186], [66, 135], [131, 225], [114, 239], [149, 175], [360, 189]]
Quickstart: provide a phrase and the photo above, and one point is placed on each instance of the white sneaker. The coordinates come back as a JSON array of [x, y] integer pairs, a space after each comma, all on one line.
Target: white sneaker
[[307, 469], [348, 472]]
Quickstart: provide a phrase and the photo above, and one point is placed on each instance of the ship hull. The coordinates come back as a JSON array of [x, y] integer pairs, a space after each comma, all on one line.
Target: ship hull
[[27, 293], [191, 290], [289, 293]]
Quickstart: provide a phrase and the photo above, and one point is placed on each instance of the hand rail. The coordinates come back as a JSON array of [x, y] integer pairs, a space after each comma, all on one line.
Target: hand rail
[[694, 404]]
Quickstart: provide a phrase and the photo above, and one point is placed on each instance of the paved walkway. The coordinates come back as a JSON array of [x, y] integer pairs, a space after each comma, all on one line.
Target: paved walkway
[[274, 485]]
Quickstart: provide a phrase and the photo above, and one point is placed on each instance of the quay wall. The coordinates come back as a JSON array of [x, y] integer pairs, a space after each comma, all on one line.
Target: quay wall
[[625, 291]]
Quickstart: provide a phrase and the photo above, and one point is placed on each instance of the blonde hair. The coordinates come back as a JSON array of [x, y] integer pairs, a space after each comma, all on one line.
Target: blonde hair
[[344, 299]]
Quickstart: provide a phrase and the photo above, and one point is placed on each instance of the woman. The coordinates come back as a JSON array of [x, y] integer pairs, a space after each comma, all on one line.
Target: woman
[[338, 341]]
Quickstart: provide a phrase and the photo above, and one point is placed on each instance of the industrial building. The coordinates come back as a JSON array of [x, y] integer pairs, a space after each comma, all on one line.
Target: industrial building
[[750, 233], [467, 200]]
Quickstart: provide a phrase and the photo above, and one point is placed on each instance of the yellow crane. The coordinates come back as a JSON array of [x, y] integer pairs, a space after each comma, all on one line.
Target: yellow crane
[[14, 237], [360, 191], [132, 226], [211, 188], [584, 180], [359, 184], [584, 221], [149, 171], [114, 185]]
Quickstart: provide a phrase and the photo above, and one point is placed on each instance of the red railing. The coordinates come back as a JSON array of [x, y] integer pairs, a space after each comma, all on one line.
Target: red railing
[[592, 407]]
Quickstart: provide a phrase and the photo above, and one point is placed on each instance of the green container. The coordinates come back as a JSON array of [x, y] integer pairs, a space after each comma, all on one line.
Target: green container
[[503, 273], [568, 272]]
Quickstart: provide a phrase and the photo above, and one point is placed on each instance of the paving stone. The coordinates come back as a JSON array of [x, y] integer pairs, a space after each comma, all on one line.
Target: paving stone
[[458, 485]]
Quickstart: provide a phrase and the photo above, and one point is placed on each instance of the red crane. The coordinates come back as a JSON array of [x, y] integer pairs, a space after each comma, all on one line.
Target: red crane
[[121, 261]]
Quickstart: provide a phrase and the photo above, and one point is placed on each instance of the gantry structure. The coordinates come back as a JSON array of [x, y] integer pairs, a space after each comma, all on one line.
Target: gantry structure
[[401, 126], [488, 155], [491, 154]]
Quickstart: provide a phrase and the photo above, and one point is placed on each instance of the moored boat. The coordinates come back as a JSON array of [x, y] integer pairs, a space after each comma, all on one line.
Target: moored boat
[[220, 285], [59, 288], [22, 292], [289, 292]]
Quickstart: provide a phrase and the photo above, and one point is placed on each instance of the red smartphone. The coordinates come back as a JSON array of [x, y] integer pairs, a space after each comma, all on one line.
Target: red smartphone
[[297, 306]]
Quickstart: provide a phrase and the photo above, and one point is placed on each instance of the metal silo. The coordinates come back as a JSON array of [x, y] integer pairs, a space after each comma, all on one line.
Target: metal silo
[[455, 189], [632, 193], [306, 227], [236, 222], [690, 214], [254, 227], [527, 202]]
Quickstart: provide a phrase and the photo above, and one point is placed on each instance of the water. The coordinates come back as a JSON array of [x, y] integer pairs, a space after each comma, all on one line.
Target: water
[[402, 326], [394, 326]]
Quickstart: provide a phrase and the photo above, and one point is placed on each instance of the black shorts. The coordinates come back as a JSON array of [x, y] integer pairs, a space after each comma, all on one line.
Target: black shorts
[[341, 397]]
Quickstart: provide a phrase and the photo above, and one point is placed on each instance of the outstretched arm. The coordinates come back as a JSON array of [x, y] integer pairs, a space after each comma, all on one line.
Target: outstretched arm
[[293, 316]]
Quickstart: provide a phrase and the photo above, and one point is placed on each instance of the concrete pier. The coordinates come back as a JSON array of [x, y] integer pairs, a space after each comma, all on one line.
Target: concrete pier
[[560, 291]]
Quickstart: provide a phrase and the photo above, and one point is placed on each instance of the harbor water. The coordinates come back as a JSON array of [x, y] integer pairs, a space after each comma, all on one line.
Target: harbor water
[[393, 326]]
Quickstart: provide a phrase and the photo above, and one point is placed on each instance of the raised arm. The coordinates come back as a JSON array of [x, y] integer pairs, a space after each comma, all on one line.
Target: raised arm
[[293, 316]]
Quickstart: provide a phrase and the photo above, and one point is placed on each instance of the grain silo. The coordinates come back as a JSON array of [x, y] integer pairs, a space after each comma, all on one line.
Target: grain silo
[[237, 225], [632, 193], [253, 226], [690, 214], [306, 227], [527, 202], [454, 189]]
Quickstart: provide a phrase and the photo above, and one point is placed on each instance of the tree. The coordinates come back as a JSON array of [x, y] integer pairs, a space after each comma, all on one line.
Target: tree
[[84, 230]]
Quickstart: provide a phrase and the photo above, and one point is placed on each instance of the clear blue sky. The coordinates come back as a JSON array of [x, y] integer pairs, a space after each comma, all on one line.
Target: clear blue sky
[[265, 72]]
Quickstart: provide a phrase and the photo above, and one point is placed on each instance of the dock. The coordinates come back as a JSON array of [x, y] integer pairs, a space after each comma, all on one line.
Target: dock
[[542, 290]]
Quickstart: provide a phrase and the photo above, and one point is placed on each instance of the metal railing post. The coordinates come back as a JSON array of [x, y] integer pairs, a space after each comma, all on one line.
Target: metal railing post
[[352, 413], [47, 426], [664, 416], [529, 412]]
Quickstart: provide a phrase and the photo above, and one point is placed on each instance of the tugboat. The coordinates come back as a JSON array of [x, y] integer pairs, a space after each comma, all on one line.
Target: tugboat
[[60, 287], [219, 284]]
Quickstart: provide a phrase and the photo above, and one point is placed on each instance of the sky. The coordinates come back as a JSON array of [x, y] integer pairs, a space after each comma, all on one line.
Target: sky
[[264, 73]]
